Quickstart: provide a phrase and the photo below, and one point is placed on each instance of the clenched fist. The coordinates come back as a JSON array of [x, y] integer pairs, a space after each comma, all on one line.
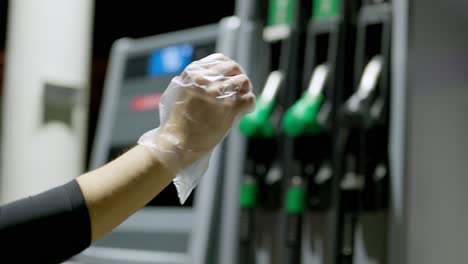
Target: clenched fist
[[197, 110]]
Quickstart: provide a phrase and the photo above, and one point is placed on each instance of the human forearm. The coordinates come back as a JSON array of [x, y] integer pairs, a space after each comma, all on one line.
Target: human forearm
[[197, 109], [121, 187]]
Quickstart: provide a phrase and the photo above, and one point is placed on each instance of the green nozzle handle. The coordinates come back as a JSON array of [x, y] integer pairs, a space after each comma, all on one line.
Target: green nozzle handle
[[295, 200], [248, 194], [257, 123], [301, 117]]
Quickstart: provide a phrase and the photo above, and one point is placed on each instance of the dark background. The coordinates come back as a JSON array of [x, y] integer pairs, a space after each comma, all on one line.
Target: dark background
[[117, 19]]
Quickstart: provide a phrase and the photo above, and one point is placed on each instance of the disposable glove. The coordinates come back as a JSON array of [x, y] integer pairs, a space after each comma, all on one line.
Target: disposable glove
[[196, 111]]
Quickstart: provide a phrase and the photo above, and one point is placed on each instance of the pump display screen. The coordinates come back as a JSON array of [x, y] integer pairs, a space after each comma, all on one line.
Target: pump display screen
[[166, 62], [170, 60]]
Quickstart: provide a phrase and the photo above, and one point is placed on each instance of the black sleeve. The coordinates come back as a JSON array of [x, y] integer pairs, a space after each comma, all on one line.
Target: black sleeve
[[50, 227]]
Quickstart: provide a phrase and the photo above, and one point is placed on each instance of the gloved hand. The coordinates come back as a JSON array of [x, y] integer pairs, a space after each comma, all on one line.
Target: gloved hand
[[196, 111]]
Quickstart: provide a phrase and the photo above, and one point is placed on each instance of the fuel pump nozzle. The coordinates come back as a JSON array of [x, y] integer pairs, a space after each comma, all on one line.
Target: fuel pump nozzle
[[360, 112], [364, 106], [303, 117], [260, 130], [257, 123]]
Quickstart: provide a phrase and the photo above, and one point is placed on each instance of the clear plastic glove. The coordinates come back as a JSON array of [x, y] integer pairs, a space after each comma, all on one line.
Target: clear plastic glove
[[196, 111]]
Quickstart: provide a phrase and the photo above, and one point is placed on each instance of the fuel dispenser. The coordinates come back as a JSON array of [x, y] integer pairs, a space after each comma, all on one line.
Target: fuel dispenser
[[301, 130], [268, 151], [310, 121], [261, 132], [374, 144], [364, 128]]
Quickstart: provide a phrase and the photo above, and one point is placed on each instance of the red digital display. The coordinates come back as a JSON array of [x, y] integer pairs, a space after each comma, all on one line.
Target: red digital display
[[146, 102]]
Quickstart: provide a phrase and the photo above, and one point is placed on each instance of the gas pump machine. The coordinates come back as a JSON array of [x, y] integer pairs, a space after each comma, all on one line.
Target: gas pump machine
[[315, 156]]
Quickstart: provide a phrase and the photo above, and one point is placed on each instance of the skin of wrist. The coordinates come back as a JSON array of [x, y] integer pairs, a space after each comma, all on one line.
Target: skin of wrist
[[171, 150], [158, 160]]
